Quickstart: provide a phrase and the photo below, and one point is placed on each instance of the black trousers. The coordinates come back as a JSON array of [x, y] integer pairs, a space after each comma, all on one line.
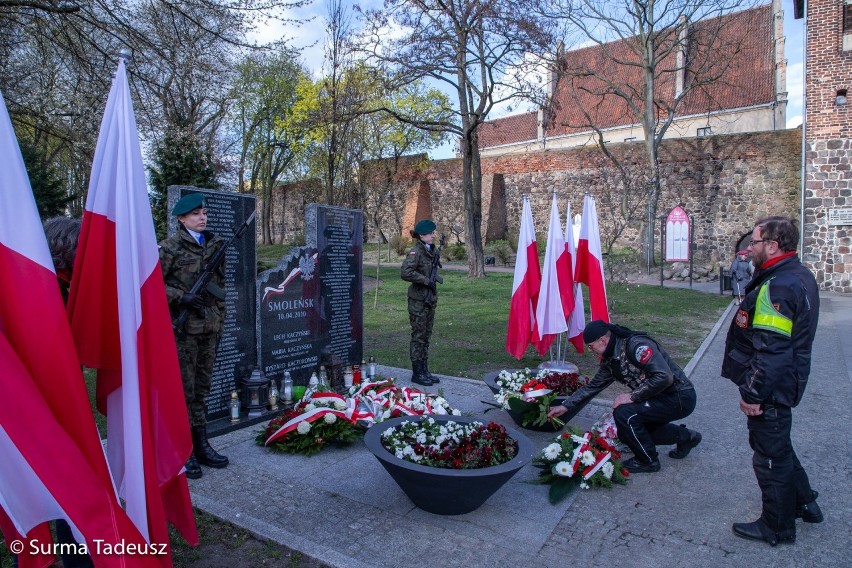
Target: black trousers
[[784, 485], [644, 425]]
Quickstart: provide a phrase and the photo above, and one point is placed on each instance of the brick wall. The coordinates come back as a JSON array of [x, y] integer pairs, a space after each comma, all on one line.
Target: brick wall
[[727, 182], [828, 178]]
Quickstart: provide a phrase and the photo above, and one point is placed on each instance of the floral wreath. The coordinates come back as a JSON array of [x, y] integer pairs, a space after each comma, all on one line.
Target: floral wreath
[[327, 418], [530, 394], [579, 459]]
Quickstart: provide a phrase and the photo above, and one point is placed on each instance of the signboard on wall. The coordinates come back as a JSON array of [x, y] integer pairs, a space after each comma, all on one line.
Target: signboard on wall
[[677, 235]]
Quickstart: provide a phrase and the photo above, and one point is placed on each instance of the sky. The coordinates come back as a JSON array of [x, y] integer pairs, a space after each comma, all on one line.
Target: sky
[[309, 35]]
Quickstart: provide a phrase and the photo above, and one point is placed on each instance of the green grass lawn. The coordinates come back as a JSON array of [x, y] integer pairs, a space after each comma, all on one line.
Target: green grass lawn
[[470, 322]]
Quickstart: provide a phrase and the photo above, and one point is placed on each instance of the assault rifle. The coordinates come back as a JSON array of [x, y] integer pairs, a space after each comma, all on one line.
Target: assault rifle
[[201, 285], [436, 264]]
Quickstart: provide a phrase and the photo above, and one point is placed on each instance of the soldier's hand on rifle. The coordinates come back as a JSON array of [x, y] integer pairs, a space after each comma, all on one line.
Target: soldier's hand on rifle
[[192, 300]]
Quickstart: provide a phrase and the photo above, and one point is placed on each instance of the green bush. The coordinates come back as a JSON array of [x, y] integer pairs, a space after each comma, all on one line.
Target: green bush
[[501, 251], [455, 251], [401, 244]]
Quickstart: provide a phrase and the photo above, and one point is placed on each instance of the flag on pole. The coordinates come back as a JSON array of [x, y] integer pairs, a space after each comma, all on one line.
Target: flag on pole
[[525, 287], [46, 425], [589, 268], [556, 294], [121, 326], [576, 315]]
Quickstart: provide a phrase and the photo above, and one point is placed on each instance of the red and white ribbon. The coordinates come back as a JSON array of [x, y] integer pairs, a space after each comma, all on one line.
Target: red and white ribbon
[[309, 416], [593, 469]]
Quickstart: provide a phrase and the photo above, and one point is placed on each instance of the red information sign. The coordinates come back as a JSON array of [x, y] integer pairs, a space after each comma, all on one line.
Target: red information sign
[[677, 235]]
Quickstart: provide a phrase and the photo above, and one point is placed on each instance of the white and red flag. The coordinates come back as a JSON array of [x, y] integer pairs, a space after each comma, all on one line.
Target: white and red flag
[[52, 464], [576, 316], [590, 270], [121, 326], [525, 287], [556, 295]]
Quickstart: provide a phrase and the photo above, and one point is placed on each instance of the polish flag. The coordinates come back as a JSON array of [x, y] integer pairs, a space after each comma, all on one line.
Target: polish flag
[[589, 269], [121, 325], [555, 297], [525, 287], [576, 315], [52, 464]]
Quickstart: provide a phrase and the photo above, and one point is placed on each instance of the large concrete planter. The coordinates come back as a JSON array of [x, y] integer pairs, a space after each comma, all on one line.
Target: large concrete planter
[[446, 491]]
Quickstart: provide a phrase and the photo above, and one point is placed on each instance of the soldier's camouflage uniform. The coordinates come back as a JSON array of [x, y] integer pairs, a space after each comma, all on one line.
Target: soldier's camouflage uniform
[[182, 260], [422, 298]]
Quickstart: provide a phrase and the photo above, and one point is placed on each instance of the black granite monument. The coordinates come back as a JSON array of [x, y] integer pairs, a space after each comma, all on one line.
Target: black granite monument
[[237, 352]]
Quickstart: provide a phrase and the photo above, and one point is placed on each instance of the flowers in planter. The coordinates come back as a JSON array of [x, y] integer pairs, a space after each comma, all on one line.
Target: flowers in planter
[[575, 459], [530, 394], [563, 384], [450, 445]]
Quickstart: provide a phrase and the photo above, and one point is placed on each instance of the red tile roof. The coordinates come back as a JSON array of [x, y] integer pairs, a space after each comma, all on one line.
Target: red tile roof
[[743, 66]]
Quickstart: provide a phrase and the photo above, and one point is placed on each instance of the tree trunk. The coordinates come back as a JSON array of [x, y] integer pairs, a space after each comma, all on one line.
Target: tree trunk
[[472, 183]]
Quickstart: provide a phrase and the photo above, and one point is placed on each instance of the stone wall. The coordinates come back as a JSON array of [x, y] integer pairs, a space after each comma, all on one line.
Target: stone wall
[[827, 248], [726, 181]]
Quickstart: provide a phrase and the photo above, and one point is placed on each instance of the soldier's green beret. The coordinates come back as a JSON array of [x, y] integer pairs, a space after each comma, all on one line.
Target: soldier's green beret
[[188, 203], [424, 227]]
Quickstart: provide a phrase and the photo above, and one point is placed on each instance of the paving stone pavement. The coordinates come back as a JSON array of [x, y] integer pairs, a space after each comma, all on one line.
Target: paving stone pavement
[[341, 507]]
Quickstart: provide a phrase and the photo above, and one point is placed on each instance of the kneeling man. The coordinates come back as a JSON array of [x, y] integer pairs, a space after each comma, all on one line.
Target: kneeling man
[[660, 393]]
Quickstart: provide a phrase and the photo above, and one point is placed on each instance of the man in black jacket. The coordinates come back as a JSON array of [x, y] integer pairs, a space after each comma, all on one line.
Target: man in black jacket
[[768, 356], [660, 393]]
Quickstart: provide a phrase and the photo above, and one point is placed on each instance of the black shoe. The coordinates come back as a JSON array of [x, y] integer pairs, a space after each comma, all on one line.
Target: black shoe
[[759, 530], [434, 378], [635, 466], [193, 470], [418, 374], [204, 453], [810, 512], [683, 448]]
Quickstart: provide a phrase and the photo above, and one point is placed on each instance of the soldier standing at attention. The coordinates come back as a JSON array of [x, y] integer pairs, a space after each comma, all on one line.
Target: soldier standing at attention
[[422, 298], [183, 257]]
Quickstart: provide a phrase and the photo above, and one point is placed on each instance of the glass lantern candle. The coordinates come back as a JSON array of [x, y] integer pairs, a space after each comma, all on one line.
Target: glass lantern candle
[[234, 407], [348, 376], [287, 385]]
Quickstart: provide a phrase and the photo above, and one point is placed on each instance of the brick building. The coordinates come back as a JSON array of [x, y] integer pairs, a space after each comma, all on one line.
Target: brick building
[[826, 206], [724, 75]]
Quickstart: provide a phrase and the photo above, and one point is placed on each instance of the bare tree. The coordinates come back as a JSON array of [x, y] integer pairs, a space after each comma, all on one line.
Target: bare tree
[[652, 59], [478, 49]]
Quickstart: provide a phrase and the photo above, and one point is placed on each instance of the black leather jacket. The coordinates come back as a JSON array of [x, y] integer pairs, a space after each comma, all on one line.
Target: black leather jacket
[[768, 348], [638, 362]]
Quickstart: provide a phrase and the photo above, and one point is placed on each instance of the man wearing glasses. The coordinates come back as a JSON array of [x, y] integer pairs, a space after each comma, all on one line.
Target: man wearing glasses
[[660, 393], [768, 356]]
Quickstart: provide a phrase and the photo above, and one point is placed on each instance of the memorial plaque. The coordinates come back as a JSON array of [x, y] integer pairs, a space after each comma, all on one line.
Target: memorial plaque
[[338, 235], [290, 325], [236, 355]]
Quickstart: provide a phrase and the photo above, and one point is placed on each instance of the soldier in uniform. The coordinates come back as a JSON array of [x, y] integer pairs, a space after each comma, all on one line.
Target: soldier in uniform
[[660, 393], [422, 298], [183, 257]]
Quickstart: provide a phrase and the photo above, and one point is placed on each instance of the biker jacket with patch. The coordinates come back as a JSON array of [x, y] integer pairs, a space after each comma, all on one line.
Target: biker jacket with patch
[[768, 348], [638, 362]]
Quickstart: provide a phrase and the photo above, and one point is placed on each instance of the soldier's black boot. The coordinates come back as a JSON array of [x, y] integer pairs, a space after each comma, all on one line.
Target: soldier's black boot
[[418, 375], [204, 453], [429, 375], [193, 470]]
